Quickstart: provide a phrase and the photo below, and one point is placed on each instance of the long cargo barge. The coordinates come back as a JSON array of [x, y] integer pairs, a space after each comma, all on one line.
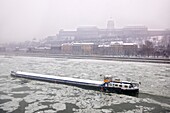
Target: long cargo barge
[[108, 85]]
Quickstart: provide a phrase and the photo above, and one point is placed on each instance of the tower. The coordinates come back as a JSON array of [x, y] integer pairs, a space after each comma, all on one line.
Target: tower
[[110, 24]]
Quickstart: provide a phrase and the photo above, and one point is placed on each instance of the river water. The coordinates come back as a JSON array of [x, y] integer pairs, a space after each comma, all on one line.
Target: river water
[[19, 95]]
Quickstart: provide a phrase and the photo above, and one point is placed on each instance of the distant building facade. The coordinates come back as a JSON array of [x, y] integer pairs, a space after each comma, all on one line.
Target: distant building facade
[[117, 48], [66, 48], [91, 40], [96, 35]]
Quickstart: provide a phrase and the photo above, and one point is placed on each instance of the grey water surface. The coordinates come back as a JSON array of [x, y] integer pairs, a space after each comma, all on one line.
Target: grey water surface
[[19, 95]]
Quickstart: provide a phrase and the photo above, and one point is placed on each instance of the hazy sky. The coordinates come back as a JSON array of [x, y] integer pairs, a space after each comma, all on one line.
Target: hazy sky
[[22, 20]]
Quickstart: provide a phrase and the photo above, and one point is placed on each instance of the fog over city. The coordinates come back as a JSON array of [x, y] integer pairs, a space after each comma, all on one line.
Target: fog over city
[[22, 20]]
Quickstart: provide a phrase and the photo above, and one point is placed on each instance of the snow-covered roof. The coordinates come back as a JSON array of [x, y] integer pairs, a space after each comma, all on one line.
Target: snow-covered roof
[[129, 44], [103, 45], [83, 43], [116, 43]]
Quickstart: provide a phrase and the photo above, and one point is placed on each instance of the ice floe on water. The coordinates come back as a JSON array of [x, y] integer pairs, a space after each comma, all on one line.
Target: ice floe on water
[[34, 107], [10, 105], [59, 106]]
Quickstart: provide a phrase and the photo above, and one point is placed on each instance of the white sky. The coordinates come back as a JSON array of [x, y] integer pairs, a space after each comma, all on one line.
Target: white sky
[[22, 20]]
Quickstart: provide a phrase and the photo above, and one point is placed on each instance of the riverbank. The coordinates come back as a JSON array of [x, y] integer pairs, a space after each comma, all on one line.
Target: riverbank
[[96, 57]]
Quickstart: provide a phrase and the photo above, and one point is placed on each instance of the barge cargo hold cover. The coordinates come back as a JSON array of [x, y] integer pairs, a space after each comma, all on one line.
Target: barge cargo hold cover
[[56, 79], [108, 85]]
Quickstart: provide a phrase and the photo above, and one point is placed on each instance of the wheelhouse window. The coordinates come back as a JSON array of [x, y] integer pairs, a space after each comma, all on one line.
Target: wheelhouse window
[[126, 86], [110, 85], [134, 85], [116, 85], [120, 85]]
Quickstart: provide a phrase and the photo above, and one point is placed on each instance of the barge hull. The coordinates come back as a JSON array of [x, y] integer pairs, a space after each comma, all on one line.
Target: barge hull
[[87, 84], [84, 85]]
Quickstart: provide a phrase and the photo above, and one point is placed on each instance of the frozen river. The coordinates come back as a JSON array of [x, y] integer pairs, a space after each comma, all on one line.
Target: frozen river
[[20, 95]]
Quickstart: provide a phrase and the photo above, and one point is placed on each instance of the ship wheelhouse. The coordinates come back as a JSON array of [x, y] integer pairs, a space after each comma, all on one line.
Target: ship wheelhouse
[[117, 84], [120, 85]]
